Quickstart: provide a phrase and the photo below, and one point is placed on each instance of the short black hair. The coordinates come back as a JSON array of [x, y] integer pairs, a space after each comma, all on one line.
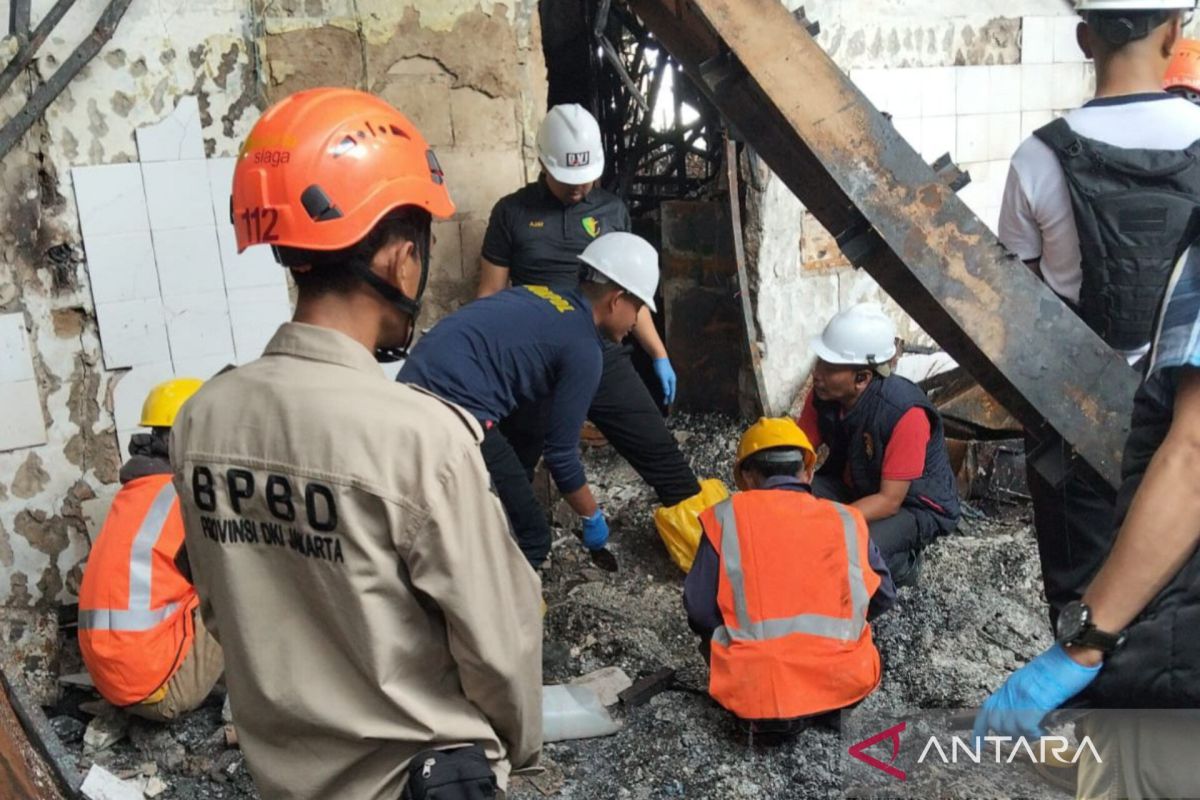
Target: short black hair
[[1120, 28], [771, 463], [327, 271]]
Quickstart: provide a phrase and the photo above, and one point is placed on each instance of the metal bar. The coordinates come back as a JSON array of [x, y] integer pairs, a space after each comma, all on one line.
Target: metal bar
[[34, 765], [30, 46], [739, 253], [847, 164], [45, 94], [614, 60], [18, 19]]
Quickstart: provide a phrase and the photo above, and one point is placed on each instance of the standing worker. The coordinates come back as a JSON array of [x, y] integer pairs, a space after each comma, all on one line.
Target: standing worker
[[378, 621], [782, 589], [1131, 643], [141, 634], [532, 346], [533, 238], [1100, 203], [887, 453]]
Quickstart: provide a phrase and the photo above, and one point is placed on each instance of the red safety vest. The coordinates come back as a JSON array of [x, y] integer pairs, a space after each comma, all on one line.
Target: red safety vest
[[793, 591], [135, 608]]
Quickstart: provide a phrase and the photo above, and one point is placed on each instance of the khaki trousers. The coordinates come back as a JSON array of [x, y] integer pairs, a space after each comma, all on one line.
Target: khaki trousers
[[192, 682], [1143, 754]]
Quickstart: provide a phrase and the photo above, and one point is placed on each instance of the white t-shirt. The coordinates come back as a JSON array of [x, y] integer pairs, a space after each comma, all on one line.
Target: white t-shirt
[[1036, 217]]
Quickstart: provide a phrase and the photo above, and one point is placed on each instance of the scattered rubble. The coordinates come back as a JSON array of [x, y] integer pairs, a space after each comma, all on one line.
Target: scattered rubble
[[977, 614]]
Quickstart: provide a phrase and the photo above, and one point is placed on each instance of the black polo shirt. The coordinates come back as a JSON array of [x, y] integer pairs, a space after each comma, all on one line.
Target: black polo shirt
[[538, 238]]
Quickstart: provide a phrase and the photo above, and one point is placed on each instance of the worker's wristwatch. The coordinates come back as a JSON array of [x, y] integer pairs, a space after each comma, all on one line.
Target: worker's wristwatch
[[1075, 627]]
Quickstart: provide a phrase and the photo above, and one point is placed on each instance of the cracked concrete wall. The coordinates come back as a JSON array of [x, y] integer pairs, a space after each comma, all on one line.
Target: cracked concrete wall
[[799, 277], [469, 72]]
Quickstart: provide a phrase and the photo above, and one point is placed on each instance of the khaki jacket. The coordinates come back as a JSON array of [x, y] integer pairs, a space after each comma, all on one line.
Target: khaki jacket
[[357, 570]]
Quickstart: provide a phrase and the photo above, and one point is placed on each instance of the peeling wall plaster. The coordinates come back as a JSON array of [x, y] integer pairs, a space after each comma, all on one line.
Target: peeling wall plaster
[[52, 497]]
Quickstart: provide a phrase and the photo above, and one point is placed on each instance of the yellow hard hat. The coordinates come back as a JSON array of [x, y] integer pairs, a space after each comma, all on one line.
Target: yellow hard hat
[[771, 432], [165, 400]]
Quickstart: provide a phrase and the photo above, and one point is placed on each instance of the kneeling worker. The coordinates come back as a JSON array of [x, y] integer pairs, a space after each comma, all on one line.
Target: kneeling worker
[[887, 455], [782, 587], [348, 553], [529, 344], [140, 630]]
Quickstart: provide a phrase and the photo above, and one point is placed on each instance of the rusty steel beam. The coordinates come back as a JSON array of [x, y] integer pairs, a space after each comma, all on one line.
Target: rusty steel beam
[[896, 218], [28, 769]]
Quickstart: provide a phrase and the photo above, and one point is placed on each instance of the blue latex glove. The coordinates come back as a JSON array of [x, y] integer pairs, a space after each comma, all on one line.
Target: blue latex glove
[[666, 375], [595, 531], [1036, 689]]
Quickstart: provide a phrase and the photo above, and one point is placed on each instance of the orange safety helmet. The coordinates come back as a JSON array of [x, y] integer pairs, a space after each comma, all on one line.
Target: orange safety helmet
[[322, 167], [1183, 73]]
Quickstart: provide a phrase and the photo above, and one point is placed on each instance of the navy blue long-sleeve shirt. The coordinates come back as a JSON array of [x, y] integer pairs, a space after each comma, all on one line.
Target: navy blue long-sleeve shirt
[[515, 347], [700, 586]]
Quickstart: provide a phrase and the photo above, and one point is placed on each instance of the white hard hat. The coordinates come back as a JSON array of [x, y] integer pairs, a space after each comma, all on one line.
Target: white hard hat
[[1133, 5], [627, 260], [862, 334], [569, 145]]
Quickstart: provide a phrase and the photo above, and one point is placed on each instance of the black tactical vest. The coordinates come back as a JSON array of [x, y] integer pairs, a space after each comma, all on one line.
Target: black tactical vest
[[1136, 211], [860, 438]]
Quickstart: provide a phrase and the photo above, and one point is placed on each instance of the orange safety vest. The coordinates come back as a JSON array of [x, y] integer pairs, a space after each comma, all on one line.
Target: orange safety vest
[[794, 587], [135, 608]]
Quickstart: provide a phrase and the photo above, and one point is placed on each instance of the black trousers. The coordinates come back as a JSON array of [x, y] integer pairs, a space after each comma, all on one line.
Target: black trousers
[[900, 537], [1074, 524], [511, 482], [629, 418]]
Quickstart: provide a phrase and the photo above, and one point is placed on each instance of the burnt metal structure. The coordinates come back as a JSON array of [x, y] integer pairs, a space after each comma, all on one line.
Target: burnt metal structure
[[647, 164], [898, 218]]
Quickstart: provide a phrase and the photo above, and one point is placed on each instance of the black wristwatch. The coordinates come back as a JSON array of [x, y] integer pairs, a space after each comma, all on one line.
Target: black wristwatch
[[1075, 627]]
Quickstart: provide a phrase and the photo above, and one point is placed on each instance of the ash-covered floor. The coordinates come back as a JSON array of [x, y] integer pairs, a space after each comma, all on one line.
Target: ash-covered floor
[[977, 614]]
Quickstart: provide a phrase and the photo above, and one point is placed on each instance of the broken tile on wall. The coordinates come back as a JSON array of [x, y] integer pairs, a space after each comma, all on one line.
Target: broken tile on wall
[[121, 267], [198, 325], [176, 138], [111, 199], [177, 194], [21, 420], [255, 313], [132, 332], [189, 261]]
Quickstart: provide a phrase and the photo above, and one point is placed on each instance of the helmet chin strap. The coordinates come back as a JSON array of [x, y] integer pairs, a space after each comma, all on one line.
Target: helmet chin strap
[[402, 302]]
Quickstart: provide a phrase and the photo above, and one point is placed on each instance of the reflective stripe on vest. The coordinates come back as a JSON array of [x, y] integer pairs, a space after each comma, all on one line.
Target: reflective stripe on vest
[[139, 616], [815, 624]]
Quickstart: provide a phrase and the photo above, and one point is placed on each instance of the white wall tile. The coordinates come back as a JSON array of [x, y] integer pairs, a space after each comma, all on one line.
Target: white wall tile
[[1037, 40], [189, 261], [16, 358], [255, 315], [873, 83], [121, 267], [938, 91], [176, 137], [1066, 48], [130, 393], [220, 186], [1037, 87], [21, 420], [972, 90], [1004, 88], [177, 194], [132, 333], [202, 367], [1068, 86], [1004, 135], [972, 137], [938, 136], [904, 92], [110, 199], [1032, 120], [198, 325], [910, 129]]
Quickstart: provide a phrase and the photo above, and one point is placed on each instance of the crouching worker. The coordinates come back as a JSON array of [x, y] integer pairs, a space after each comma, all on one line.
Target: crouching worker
[[887, 454], [782, 588], [140, 630], [381, 630]]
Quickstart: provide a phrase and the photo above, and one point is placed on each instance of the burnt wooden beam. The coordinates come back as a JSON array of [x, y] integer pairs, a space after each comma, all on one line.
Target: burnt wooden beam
[[899, 220]]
